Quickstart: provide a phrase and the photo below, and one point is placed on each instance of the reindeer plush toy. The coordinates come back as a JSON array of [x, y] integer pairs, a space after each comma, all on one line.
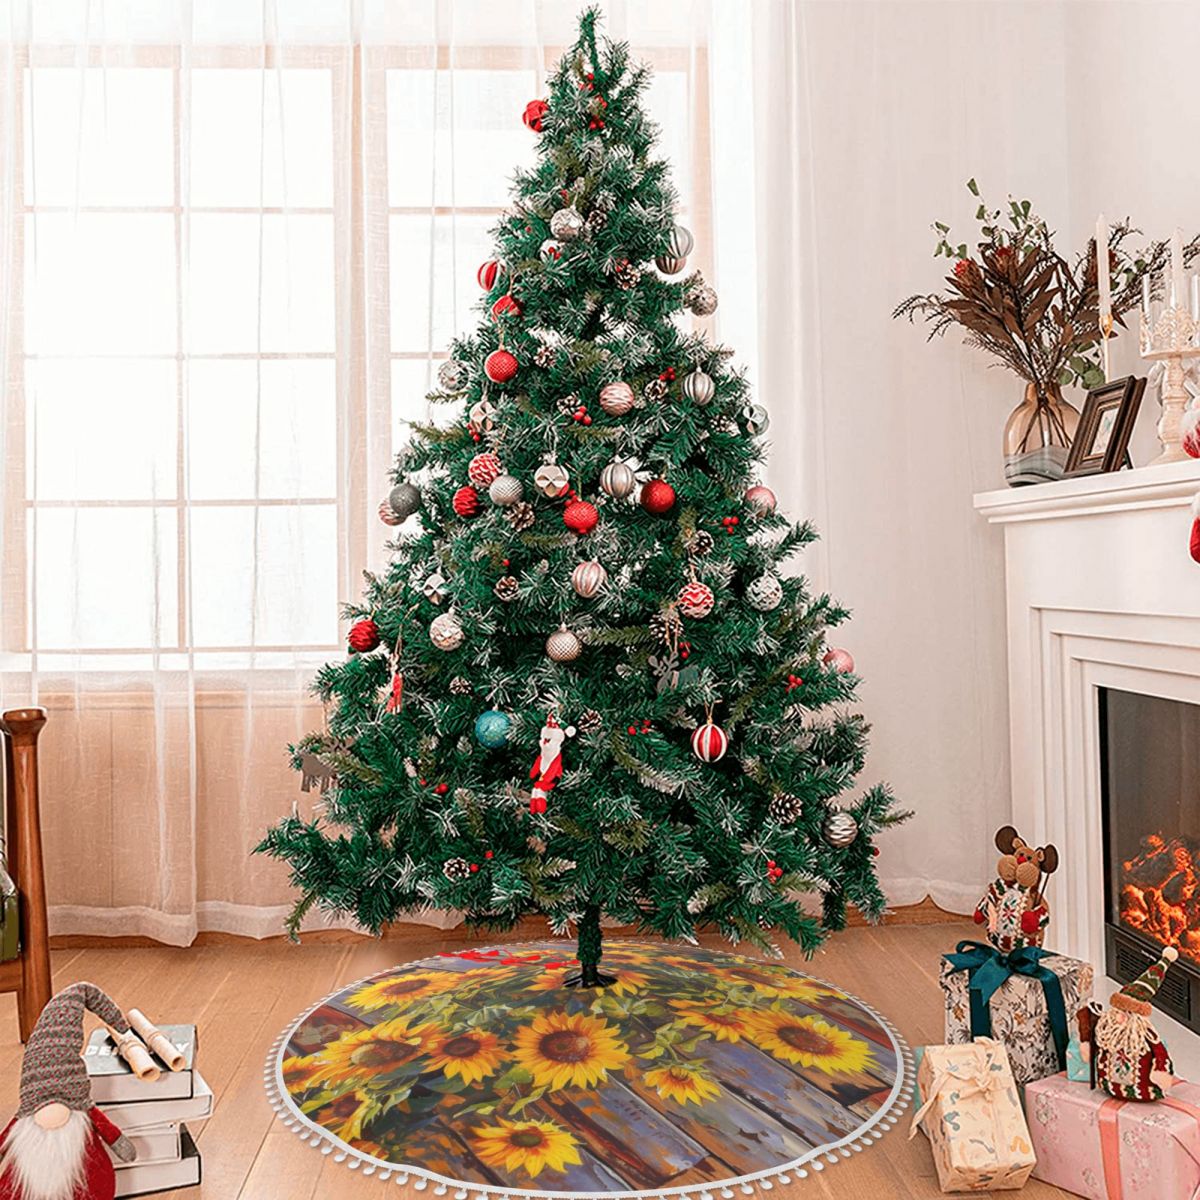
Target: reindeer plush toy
[[1014, 908]]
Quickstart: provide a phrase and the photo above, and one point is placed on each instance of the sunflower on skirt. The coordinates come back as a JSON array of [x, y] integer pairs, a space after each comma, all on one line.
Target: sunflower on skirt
[[297, 1072], [767, 983], [810, 1042], [726, 1024], [368, 1054], [627, 982], [345, 1116], [528, 1146], [569, 1049], [471, 1055], [397, 990], [684, 1083]]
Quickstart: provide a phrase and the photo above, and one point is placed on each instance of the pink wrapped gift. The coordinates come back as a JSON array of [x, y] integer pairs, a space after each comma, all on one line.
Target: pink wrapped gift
[[1107, 1149]]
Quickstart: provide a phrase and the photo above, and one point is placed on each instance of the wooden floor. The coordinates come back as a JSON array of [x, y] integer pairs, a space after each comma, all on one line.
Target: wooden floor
[[242, 994]]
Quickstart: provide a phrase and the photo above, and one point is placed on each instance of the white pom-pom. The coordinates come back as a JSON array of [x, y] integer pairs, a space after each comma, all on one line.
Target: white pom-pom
[[570, 731], [1170, 954]]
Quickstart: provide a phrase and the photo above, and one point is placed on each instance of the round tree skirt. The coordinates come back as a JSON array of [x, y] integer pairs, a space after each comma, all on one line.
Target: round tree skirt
[[697, 1070]]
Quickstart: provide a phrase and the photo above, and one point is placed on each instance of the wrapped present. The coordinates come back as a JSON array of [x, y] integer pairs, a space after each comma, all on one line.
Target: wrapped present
[[973, 1117], [1091, 1145], [1027, 999], [1078, 1068], [9, 933]]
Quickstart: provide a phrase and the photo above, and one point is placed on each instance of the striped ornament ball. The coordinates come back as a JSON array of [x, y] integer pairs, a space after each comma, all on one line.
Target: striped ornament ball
[[709, 742]]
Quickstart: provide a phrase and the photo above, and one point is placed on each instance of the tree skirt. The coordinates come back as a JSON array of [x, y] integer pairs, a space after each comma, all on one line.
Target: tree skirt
[[695, 1072]]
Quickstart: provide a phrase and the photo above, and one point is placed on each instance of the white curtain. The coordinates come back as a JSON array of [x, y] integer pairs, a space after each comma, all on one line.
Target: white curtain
[[235, 240]]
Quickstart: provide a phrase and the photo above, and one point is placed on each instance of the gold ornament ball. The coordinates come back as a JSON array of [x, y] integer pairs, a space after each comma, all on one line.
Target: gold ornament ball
[[616, 398], [445, 632], [563, 646], [840, 829]]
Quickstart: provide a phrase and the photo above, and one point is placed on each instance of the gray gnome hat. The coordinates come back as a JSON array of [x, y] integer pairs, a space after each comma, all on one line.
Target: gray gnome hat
[[53, 1070]]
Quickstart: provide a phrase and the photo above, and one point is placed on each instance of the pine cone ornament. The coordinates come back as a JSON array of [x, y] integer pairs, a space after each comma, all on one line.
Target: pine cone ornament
[[521, 516], [589, 721], [784, 808], [666, 625], [456, 868], [595, 220], [700, 543], [460, 686], [655, 390], [627, 275], [568, 405], [506, 588], [544, 357]]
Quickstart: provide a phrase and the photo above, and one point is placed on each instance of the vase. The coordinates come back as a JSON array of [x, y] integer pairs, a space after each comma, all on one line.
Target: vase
[[1037, 436]]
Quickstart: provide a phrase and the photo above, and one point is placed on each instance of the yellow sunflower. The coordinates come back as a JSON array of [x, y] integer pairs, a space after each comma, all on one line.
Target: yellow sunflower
[[810, 1042], [470, 1055], [527, 1146], [368, 1053], [724, 1023], [344, 1116], [297, 1071], [683, 1083], [395, 991], [561, 1049]]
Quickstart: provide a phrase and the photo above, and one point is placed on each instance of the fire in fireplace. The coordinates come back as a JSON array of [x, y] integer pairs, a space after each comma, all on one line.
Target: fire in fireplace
[[1150, 787]]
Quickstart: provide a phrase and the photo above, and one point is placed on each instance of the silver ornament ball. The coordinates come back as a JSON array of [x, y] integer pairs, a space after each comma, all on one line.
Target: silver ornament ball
[[445, 632], [551, 479], [567, 223], [405, 499], [758, 420], [699, 387], [765, 593], [840, 829], [563, 646], [618, 480], [434, 588], [588, 578], [703, 301], [452, 376], [506, 490]]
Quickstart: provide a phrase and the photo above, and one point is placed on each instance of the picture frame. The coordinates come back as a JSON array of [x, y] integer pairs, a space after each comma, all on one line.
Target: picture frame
[[1101, 441]]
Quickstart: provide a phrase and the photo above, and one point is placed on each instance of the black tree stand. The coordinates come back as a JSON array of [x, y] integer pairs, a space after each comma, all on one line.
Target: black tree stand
[[590, 949]]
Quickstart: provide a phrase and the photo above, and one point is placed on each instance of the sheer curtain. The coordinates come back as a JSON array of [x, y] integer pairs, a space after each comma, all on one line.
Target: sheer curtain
[[234, 242]]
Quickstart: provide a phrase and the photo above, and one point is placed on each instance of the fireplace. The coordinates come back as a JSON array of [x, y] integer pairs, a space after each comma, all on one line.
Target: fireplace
[[1150, 795]]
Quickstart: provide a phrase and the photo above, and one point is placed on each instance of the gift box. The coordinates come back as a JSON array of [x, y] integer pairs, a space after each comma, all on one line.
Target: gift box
[[1027, 1000], [9, 935], [972, 1115], [1105, 1149]]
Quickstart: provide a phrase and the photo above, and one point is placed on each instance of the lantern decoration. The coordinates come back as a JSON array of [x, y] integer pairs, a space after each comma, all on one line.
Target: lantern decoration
[[535, 110], [702, 301], [388, 515], [482, 417], [765, 593], [466, 501], [434, 588], [500, 366], [839, 660], [679, 246], [709, 742], [364, 636], [552, 480], [567, 223], [588, 578], [761, 499], [580, 517], [839, 829], [551, 250], [483, 468], [563, 646], [658, 497], [616, 398], [490, 273], [452, 376], [506, 490], [445, 632], [696, 599], [492, 728], [699, 387], [758, 420], [506, 306], [618, 480]]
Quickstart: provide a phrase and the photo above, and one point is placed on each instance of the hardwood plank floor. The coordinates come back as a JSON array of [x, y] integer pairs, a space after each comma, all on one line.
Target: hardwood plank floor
[[241, 994]]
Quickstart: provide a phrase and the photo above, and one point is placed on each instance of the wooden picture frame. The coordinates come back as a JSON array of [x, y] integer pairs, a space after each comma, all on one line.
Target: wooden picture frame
[[1101, 441]]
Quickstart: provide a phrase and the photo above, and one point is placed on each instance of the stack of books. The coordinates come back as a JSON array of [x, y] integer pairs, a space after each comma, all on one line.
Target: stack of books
[[154, 1115]]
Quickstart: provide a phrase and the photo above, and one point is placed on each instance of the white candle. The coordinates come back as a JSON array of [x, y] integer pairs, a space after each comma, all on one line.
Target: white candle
[[1177, 287], [1103, 280]]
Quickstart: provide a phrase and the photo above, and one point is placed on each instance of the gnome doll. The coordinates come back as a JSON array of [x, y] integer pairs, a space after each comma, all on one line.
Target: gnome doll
[[1127, 1056], [54, 1148], [547, 769]]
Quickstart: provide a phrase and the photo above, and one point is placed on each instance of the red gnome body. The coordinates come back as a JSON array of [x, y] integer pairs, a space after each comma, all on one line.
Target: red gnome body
[[54, 1148], [547, 769]]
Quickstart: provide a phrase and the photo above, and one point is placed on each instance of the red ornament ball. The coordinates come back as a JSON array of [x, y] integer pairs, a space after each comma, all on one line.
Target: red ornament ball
[[466, 502], [580, 517], [1189, 429], [709, 743], [483, 469], [364, 636], [535, 110], [500, 366], [489, 274], [761, 499], [696, 599], [658, 497], [506, 306], [839, 660]]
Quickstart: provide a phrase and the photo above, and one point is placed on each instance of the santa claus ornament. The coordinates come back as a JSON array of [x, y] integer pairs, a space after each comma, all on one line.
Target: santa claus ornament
[[1127, 1057], [55, 1147], [547, 768]]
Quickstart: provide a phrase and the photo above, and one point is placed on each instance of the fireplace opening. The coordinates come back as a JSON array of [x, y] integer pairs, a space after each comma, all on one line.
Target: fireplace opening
[[1150, 790]]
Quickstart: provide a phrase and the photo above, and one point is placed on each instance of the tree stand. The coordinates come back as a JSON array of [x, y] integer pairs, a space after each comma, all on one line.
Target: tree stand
[[591, 942]]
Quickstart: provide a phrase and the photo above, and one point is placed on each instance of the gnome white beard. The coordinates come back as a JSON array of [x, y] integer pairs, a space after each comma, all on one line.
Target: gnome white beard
[[46, 1164]]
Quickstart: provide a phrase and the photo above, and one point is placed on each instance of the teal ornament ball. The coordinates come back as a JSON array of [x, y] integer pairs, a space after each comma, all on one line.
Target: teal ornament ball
[[492, 728]]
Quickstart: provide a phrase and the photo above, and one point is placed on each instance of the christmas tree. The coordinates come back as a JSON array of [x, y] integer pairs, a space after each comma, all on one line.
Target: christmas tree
[[592, 584]]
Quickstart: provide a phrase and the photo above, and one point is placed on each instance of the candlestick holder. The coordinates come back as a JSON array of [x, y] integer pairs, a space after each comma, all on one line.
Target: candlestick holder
[[1170, 340]]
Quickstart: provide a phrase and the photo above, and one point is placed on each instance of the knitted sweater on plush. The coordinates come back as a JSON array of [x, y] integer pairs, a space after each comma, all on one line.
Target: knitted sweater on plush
[[1124, 1079]]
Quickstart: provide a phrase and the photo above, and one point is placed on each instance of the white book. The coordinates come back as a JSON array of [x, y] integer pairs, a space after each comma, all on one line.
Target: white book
[[153, 1144], [140, 1180], [144, 1113]]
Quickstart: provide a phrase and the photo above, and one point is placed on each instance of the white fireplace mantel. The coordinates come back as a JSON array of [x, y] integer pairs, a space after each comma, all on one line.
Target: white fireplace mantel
[[1100, 592]]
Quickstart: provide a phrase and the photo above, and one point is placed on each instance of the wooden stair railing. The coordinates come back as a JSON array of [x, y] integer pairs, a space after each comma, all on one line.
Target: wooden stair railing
[[29, 974]]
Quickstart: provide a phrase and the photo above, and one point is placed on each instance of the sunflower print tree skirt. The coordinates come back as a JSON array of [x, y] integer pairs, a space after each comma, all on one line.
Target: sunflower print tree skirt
[[695, 1068]]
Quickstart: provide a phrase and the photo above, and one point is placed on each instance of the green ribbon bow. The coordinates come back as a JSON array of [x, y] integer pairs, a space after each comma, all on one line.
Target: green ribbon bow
[[987, 969]]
